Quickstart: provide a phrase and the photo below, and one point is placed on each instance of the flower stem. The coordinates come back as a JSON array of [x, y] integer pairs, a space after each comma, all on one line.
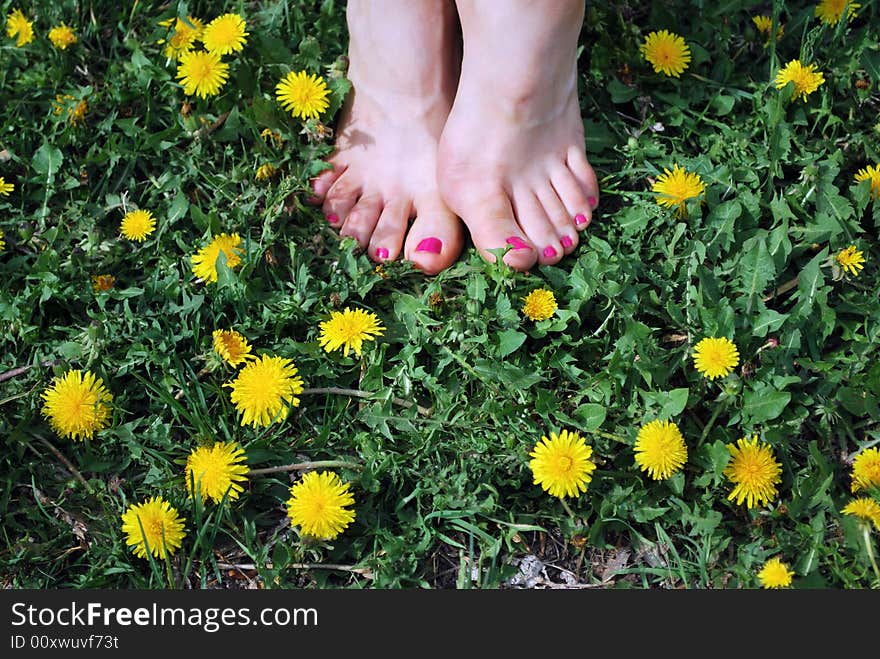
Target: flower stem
[[357, 393], [866, 535], [302, 466], [711, 423], [568, 509], [608, 435]]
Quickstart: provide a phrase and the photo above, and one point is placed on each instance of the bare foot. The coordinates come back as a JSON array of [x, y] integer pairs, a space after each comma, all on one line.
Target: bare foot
[[404, 63], [512, 162]]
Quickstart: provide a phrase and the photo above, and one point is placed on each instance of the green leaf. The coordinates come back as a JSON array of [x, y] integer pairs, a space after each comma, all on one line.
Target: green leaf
[[47, 160], [859, 401], [756, 269], [620, 93], [811, 279], [647, 513], [722, 104], [768, 320], [591, 415], [513, 377], [871, 63], [763, 404], [598, 137], [671, 403], [509, 341], [178, 208], [476, 287]]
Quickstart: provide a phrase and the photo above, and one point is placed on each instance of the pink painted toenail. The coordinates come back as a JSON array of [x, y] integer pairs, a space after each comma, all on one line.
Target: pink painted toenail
[[566, 242], [549, 252], [517, 242], [592, 201], [382, 253], [580, 220], [333, 218], [433, 245]]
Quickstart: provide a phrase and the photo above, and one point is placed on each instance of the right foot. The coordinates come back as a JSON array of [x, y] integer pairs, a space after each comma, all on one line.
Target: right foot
[[512, 155], [403, 68]]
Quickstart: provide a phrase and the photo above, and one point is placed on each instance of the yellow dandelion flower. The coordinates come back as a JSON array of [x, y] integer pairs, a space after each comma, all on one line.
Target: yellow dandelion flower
[[76, 110], [667, 52], [870, 173], [5, 188], [540, 304], [137, 225], [265, 390], [153, 526], [101, 283], [303, 95], [19, 26], [318, 503], [184, 36], [204, 262], [804, 78], [764, 24], [715, 357], [270, 136], [266, 171], [231, 346], [349, 329], [660, 449], [202, 73], [866, 470], [62, 36], [225, 34], [216, 469], [775, 574], [864, 508], [561, 465], [675, 187], [831, 11], [77, 404], [754, 472], [2, 242], [851, 260]]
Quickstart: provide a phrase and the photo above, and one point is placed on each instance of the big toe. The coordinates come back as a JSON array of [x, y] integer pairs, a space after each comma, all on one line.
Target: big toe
[[435, 238]]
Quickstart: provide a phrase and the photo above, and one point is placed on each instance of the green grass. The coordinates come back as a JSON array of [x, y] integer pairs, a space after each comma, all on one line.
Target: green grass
[[444, 495]]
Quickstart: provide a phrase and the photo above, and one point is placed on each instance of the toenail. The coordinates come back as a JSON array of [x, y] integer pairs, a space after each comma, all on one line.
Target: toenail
[[580, 219], [566, 242], [549, 252], [382, 253], [592, 201], [433, 245], [517, 242], [333, 218]]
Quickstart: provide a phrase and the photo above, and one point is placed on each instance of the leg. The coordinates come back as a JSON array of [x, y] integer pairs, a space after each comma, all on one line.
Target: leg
[[512, 162], [404, 65]]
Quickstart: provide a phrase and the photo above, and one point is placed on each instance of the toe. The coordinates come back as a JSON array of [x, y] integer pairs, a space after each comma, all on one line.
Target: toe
[[363, 219], [572, 195], [340, 199], [584, 174], [387, 239], [492, 226], [534, 221], [322, 183], [435, 238], [559, 217]]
